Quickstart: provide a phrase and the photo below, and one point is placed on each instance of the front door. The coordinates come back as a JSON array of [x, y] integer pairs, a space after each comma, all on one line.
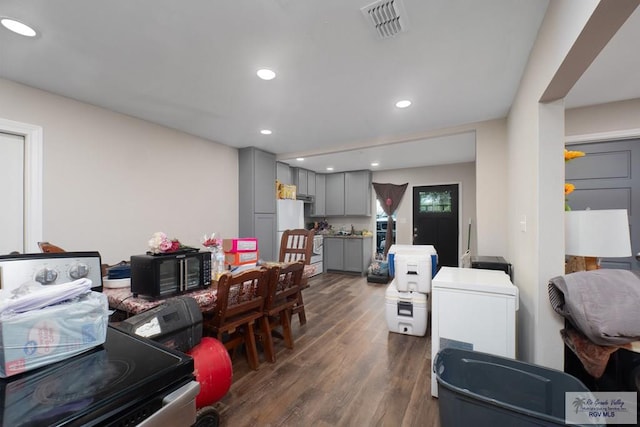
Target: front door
[[435, 221]]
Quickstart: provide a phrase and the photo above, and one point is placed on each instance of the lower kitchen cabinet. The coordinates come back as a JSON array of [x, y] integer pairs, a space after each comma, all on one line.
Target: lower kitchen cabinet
[[347, 254], [333, 253]]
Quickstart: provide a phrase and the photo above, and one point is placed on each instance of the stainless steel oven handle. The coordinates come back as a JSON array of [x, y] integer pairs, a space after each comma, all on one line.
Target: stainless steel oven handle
[[178, 408], [183, 269]]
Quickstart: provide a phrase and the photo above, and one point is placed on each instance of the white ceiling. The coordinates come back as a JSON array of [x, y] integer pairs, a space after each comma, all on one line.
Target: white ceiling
[[191, 66]]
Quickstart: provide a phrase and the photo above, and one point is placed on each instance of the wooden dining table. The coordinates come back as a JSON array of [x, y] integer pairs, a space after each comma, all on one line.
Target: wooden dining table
[[122, 300]]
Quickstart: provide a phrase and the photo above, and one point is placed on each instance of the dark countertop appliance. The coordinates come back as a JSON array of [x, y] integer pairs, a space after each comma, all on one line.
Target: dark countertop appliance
[[492, 263], [163, 275], [124, 382]]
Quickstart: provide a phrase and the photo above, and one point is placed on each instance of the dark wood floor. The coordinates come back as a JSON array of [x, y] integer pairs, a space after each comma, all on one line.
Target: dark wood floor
[[346, 369]]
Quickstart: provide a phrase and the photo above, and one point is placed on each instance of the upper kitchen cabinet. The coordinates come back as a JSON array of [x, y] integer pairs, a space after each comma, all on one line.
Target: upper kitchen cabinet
[[346, 194], [357, 193], [283, 173], [257, 198], [301, 181], [311, 183], [318, 208], [334, 200]]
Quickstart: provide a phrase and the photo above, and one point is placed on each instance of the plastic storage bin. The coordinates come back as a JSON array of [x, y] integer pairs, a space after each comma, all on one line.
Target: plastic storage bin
[[481, 389]]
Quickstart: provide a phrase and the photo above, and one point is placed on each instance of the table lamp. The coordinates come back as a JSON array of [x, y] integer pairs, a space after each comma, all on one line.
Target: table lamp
[[594, 234]]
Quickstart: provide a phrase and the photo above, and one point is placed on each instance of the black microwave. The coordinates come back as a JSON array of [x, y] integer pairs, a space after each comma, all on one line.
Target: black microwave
[[163, 275]]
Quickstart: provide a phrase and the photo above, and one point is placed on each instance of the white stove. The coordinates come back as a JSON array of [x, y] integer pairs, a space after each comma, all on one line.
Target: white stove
[[316, 254], [49, 269]]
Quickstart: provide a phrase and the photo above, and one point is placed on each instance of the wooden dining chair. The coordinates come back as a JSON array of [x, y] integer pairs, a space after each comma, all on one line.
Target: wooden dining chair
[[282, 297], [296, 245], [47, 247], [239, 304]]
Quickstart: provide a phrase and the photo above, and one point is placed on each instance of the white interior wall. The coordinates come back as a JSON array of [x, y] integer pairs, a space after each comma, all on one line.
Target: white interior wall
[[111, 181], [536, 180], [604, 118], [491, 188]]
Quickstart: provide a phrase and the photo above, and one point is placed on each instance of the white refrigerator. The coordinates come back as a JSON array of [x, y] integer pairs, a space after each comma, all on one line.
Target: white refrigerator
[[472, 309], [290, 215]]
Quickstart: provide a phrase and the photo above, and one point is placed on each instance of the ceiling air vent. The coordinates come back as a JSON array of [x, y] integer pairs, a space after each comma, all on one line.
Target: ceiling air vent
[[387, 16]]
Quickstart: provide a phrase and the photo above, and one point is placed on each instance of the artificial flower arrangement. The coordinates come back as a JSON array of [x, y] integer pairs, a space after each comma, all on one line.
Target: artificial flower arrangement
[[161, 244], [568, 187], [211, 241]]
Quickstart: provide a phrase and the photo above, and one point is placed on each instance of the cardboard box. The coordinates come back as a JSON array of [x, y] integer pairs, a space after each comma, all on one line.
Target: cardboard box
[[241, 258], [41, 337], [287, 192], [243, 244]]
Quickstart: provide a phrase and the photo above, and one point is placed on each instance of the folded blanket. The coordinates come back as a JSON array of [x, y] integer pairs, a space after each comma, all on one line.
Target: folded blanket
[[602, 304], [594, 358]]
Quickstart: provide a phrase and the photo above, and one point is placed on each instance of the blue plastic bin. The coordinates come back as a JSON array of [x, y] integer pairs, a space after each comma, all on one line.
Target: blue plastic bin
[[480, 389]]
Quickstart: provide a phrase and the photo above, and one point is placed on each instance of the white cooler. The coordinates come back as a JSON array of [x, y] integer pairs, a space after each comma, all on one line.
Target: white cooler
[[406, 312], [427, 250], [413, 271]]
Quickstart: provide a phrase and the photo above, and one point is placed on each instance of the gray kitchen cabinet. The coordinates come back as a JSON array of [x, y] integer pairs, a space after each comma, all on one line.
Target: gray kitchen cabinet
[[333, 253], [257, 198], [300, 180], [319, 203], [357, 193], [357, 254], [348, 254], [283, 173], [334, 202], [264, 226], [311, 183]]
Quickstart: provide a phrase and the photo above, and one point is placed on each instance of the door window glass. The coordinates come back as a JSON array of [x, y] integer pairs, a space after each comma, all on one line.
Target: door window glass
[[434, 201]]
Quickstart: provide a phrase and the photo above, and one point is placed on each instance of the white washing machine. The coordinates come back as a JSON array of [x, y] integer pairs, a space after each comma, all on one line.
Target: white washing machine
[[472, 309]]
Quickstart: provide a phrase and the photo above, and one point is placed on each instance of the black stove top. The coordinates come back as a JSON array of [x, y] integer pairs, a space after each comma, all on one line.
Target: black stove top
[[125, 376]]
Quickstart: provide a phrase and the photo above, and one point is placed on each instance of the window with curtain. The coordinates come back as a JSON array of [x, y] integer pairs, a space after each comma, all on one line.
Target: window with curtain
[[381, 227]]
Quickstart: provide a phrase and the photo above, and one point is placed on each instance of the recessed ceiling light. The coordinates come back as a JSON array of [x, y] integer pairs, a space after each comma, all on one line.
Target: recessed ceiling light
[[300, 159], [403, 104], [266, 74], [266, 132], [18, 27], [329, 168], [374, 164]]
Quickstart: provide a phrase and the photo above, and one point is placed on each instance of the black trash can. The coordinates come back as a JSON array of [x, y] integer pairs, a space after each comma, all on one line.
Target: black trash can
[[481, 389]]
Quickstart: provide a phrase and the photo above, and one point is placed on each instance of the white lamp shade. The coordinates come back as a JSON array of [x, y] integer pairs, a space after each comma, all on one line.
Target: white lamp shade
[[597, 233]]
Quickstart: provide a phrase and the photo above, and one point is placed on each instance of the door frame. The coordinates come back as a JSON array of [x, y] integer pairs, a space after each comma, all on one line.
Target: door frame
[[460, 230], [33, 150]]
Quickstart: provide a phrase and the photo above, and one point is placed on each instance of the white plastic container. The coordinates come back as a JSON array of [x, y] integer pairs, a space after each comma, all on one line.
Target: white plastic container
[[41, 337], [415, 249], [406, 312], [413, 272]]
